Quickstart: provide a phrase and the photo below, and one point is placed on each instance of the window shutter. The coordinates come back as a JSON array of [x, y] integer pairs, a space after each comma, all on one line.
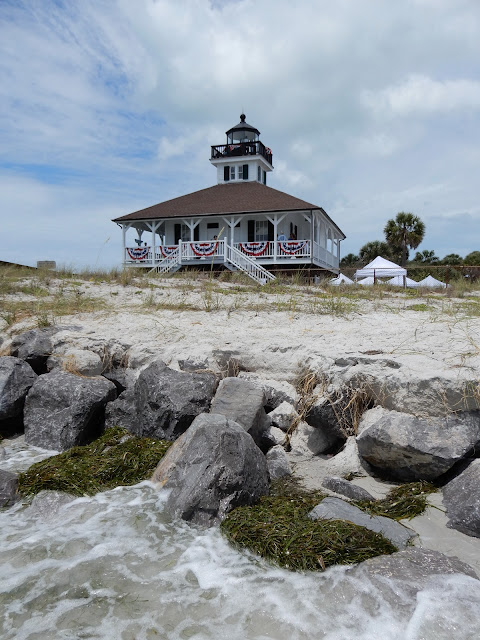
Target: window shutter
[[226, 174], [178, 233], [245, 171], [251, 231], [270, 231], [264, 177], [196, 233]]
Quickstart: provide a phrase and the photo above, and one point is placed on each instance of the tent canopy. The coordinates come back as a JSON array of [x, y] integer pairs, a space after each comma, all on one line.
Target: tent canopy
[[397, 281], [380, 268], [430, 281], [340, 279], [367, 281]]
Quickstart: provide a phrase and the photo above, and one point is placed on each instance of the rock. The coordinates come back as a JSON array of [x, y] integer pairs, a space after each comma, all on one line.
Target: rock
[[47, 504], [63, 410], [276, 435], [242, 401], [346, 488], [34, 346], [336, 509], [422, 393], [121, 378], [80, 361], [307, 440], [461, 497], [413, 568], [193, 364], [16, 378], [408, 448], [283, 416], [278, 464], [337, 412], [163, 402], [275, 391], [8, 488], [211, 469]]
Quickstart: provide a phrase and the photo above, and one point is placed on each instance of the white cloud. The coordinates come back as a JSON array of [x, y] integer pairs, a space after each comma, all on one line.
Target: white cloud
[[422, 95]]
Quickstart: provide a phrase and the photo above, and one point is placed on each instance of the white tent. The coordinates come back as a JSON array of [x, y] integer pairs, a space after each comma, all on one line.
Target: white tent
[[340, 279], [380, 268], [397, 281], [430, 281], [367, 281]]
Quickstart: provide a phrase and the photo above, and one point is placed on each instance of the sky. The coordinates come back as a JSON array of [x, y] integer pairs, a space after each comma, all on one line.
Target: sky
[[370, 107]]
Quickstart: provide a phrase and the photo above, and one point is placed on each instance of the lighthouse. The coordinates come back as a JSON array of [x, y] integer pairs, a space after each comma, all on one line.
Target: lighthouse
[[244, 157]]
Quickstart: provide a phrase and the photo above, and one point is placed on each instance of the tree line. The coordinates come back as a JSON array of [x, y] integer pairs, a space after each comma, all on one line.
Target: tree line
[[402, 234]]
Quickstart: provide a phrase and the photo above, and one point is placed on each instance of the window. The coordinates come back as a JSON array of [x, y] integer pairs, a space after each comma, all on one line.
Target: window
[[259, 174], [212, 225], [261, 230], [232, 173], [185, 233], [240, 172]]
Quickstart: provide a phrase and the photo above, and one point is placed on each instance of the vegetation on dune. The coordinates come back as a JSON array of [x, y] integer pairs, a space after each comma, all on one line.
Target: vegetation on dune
[[278, 529], [115, 459]]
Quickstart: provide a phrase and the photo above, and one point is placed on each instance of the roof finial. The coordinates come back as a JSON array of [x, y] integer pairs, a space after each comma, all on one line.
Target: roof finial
[[242, 117]]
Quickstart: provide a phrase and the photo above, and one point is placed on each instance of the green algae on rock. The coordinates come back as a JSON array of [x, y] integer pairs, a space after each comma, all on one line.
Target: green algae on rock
[[115, 459]]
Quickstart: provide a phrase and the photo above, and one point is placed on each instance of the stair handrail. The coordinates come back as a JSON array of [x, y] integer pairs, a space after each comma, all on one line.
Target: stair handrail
[[168, 263], [247, 265]]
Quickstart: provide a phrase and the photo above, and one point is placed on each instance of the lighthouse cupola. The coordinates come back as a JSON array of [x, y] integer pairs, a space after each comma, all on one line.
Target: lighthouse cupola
[[243, 157]]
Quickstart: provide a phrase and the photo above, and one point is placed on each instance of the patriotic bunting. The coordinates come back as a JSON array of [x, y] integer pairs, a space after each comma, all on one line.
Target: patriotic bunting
[[290, 247], [254, 248], [167, 251], [204, 248], [138, 253]]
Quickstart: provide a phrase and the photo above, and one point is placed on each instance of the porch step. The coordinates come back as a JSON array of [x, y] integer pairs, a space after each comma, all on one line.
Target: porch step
[[170, 264], [235, 260]]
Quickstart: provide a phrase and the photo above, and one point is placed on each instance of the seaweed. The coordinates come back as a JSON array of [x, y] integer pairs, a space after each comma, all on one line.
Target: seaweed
[[278, 529], [405, 501], [116, 458]]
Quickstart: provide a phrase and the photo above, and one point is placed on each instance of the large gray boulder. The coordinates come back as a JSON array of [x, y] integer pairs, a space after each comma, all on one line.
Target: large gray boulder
[[243, 402], [211, 469], [16, 378], [63, 410], [8, 488], [163, 402], [81, 361], [461, 497], [408, 448], [330, 414], [413, 569], [34, 346], [336, 509], [275, 391]]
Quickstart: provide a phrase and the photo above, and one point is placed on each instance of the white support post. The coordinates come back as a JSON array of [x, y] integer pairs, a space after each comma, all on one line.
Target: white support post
[[155, 226], [275, 221], [124, 237], [232, 223], [180, 251]]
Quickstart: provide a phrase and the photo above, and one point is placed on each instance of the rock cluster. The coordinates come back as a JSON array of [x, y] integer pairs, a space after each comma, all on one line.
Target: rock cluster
[[231, 434]]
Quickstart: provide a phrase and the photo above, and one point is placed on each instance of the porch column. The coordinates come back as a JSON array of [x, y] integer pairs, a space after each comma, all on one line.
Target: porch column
[[232, 223], [309, 219], [275, 221], [124, 238], [191, 225]]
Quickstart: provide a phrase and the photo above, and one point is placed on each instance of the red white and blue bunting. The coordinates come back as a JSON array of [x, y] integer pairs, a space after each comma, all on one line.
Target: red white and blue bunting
[[290, 247], [203, 249], [254, 248], [138, 253], [167, 251]]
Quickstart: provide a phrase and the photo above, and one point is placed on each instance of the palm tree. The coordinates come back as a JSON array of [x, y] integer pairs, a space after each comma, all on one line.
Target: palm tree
[[407, 230], [371, 250], [350, 260], [452, 259], [426, 256]]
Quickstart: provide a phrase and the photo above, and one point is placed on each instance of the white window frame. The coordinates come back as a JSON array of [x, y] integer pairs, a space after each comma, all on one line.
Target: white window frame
[[240, 172], [232, 172], [261, 230]]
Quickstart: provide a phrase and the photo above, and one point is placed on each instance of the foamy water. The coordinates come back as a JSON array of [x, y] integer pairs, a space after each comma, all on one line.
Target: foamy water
[[115, 566]]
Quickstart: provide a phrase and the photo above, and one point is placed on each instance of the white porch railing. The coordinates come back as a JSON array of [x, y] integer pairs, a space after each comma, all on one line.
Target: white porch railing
[[265, 250], [216, 250]]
